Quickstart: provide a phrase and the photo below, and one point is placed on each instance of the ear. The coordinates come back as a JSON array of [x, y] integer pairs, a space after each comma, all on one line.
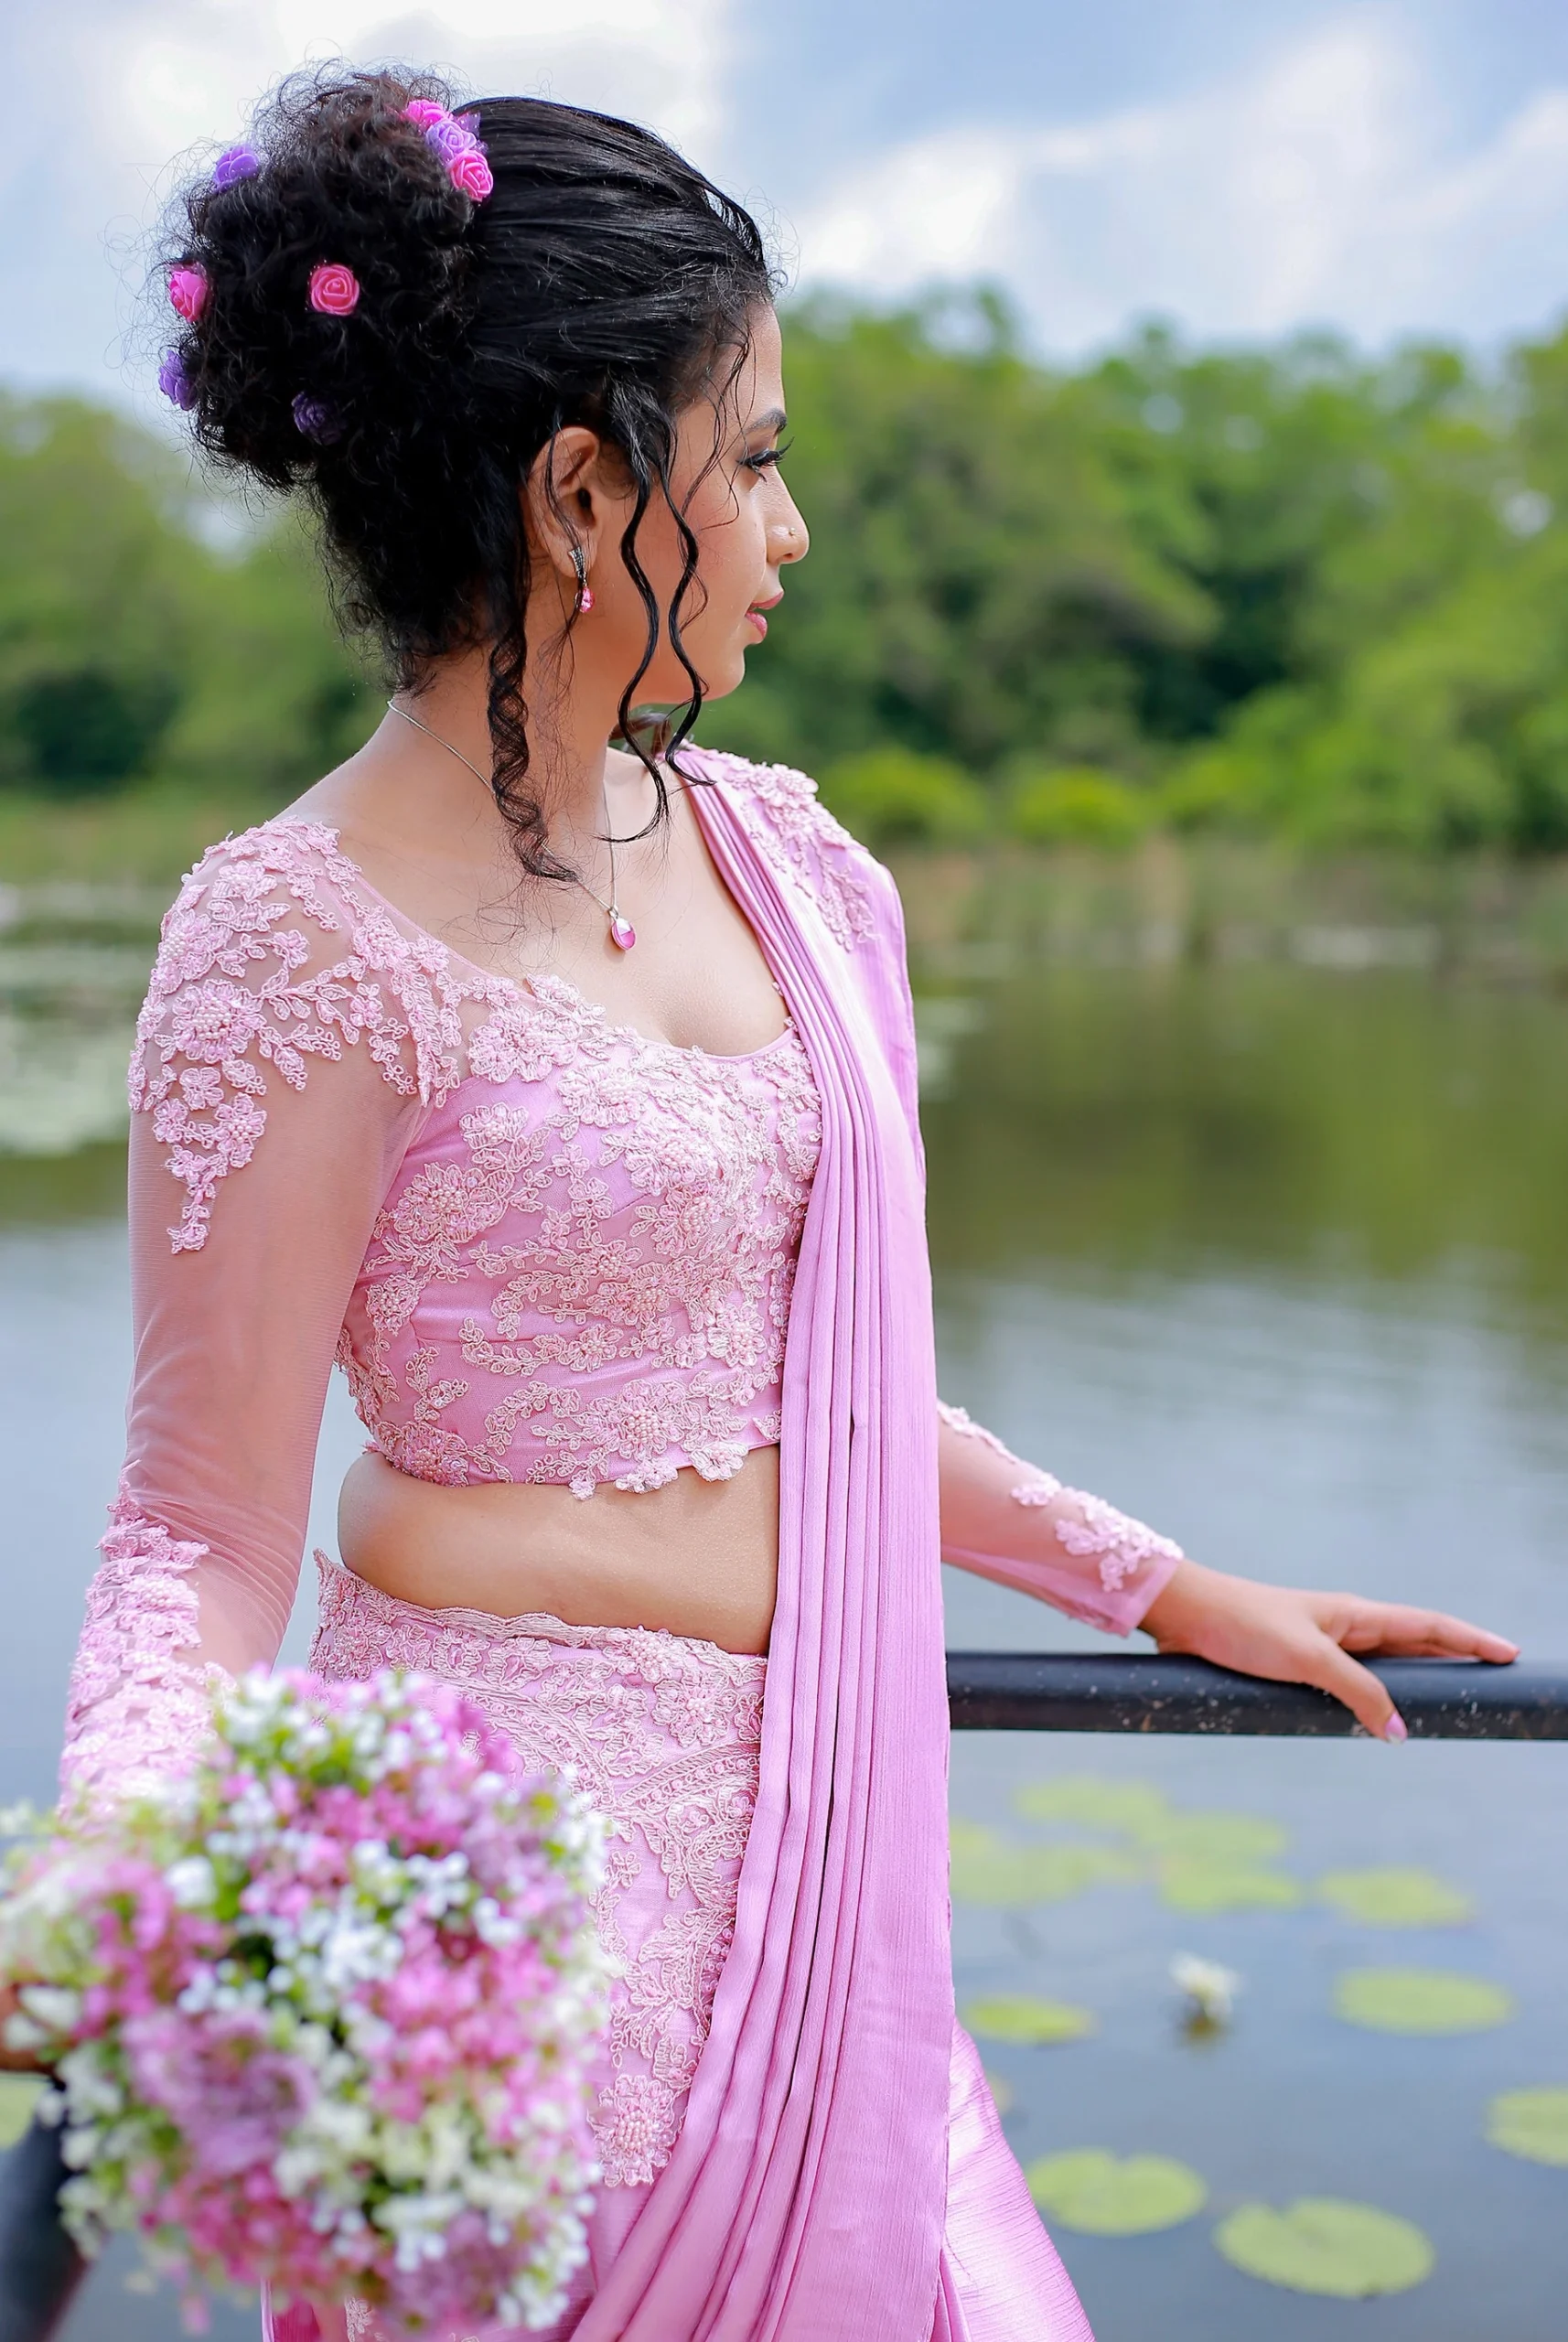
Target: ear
[[566, 499]]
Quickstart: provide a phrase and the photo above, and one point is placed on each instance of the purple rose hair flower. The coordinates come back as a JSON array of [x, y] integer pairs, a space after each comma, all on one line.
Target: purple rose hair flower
[[175, 382], [235, 163], [450, 139], [316, 419]]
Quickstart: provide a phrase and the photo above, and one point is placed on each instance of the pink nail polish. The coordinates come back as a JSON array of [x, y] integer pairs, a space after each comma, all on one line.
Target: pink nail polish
[[1396, 1728]]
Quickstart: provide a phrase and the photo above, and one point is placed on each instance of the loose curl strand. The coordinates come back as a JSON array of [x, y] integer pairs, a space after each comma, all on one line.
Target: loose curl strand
[[603, 282]]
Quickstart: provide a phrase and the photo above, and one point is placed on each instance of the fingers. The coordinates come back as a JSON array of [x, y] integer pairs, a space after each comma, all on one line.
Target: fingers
[[1405, 1632], [1358, 1689]]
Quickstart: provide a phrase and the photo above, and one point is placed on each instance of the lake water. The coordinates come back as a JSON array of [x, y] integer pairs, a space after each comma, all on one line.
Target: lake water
[[1271, 1254]]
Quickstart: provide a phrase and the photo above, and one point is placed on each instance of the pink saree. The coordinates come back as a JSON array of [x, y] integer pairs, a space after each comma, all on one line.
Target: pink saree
[[807, 2196]]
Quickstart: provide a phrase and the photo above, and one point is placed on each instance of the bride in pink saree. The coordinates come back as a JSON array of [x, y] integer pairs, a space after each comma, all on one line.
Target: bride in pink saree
[[602, 1179]]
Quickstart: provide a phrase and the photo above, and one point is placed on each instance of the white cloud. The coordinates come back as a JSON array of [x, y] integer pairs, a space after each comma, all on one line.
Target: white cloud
[[1316, 187], [1327, 182], [151, 77]]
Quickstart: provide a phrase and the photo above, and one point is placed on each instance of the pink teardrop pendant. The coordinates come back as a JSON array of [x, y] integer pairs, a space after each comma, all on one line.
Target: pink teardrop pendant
[[623, 935]]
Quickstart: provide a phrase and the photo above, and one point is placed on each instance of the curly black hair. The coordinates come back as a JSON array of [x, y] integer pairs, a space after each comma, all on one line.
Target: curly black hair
[[604, 281]]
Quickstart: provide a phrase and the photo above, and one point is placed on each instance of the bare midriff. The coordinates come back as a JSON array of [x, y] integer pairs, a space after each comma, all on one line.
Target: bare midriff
[[697, 1558]]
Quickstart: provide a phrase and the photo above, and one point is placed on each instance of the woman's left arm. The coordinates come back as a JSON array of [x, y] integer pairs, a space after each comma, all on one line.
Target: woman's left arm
[[1009, 1521]]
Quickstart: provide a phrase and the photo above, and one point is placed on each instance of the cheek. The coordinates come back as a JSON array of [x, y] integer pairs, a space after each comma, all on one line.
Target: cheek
[[733, 556]]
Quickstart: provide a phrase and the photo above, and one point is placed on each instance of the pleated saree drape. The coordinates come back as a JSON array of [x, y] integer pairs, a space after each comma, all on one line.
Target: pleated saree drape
[[806, 2198]]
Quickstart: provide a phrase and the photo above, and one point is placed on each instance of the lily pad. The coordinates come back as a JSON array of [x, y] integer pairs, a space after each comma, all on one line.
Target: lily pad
[[973, 1838], [1107, 2194], [1196, 1883], [1003, 1874], [1396, 1897], [1094, 1804], [1019, 2016], [1237, 1839], [18, 2096], [1533, 2124], [1321, 2245], [1420, 2000]]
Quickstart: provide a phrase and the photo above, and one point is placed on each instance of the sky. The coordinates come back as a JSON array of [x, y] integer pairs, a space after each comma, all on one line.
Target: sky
[[1241, 167]]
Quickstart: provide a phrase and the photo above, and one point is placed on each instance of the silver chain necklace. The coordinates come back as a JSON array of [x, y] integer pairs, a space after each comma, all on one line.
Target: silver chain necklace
[[623, 935]]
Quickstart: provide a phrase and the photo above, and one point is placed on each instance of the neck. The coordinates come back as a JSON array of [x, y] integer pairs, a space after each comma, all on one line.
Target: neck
[[572, 775]]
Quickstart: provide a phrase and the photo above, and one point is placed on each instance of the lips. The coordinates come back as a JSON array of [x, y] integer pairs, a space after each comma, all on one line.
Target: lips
[[755, 612]]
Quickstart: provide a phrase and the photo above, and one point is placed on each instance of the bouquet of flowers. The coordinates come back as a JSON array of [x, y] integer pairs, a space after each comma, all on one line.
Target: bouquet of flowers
[[321, 2011]]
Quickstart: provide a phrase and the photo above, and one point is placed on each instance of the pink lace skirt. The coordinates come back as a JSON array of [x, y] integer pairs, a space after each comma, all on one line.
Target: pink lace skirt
[[662, 1734]]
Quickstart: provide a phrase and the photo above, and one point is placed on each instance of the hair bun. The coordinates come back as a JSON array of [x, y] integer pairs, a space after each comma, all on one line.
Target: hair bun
[[319, 272], [397, 314]]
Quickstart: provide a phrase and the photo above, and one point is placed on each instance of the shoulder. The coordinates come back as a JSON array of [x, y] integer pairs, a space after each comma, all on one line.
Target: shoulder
[[275, 958], [784, 814], [234, 907], [282, 912]]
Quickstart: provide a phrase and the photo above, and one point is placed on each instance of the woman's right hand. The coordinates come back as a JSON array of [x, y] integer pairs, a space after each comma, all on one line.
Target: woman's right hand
[[15, 2061]]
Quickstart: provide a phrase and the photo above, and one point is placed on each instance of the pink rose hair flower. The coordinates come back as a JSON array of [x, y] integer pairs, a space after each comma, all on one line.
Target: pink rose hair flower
[[457, 143], [471, 176], [334, 289], [189, 291]]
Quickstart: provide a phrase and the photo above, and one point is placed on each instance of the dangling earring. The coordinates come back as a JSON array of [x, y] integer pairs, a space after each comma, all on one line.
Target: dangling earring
[[585, 591]]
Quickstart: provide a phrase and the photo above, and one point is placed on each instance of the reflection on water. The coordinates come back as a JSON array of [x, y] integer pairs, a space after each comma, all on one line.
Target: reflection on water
[[1272, 1255], [73, 963], [1276, 1259]]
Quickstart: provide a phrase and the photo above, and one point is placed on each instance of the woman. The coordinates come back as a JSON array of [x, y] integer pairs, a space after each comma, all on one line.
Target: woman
[[566, 1095]]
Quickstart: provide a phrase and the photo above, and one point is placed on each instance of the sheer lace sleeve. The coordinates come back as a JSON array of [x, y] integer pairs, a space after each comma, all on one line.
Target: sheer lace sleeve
[[1005, 1519], [278, 1075]]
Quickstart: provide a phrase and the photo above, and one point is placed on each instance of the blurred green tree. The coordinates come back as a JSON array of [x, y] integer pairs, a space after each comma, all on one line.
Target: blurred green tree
[[1290, 590], [977, 587]]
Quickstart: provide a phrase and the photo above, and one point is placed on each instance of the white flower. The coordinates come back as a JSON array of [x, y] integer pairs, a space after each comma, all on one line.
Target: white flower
[[52, 2006], [1211, 1989], [191, 1881]]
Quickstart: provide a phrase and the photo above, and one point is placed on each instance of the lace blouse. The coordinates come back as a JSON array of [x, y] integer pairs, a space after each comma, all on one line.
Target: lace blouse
[[543, 1248]]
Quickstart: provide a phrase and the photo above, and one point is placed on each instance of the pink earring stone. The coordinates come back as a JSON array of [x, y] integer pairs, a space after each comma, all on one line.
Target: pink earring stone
[[623, 935], [586, 600]]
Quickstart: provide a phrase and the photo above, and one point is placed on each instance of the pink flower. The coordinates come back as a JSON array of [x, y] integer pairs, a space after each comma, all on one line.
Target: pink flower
[[471, 175], [334, 289], [425, 112], [189, 290]]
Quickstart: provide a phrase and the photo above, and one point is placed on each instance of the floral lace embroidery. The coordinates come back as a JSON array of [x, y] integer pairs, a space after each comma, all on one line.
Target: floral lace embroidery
[[819, 853], [226, 991], [612, 1242], [959, 1419], [1119, 1543], [136, 1711], [662, 1734], [583, 1277]]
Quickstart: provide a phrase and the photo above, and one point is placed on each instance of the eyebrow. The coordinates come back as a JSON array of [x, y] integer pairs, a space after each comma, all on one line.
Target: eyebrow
[[774, 420]]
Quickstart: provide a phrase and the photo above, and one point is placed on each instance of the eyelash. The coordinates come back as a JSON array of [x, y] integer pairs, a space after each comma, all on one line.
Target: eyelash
[[769, 458]]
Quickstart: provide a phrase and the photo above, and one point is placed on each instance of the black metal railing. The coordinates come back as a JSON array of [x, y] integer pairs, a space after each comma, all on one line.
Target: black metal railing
[[987, 1691], [1440, 1698]]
